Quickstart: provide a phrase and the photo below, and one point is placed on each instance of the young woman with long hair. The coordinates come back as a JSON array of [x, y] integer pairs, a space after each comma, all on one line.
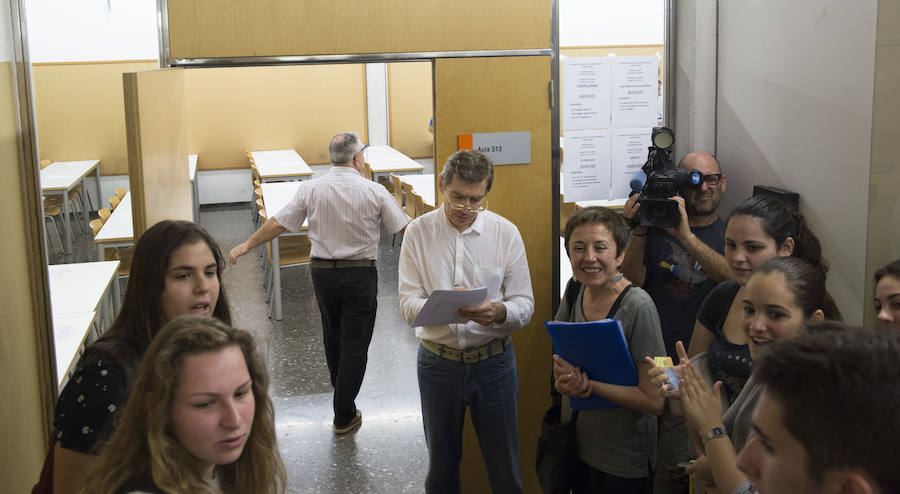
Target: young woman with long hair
[[176, 269], [759, 228], [199, 418]]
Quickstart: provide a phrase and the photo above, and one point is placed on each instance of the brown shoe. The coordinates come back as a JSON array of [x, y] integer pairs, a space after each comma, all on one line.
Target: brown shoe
[[353, 425]]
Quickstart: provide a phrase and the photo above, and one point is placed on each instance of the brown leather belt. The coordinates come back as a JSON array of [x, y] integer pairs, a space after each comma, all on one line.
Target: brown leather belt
[[341, 263], [471, 355]]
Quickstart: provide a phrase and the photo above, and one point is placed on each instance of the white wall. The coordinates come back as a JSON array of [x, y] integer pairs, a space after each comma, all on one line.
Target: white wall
[[92, 30], [610, 22], [794, 110]]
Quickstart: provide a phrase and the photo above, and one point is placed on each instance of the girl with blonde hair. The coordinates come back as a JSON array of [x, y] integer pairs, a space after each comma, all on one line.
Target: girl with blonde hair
[[199, 418]]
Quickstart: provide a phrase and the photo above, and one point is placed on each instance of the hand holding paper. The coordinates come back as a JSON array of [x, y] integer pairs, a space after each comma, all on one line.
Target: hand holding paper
[[443, 306]]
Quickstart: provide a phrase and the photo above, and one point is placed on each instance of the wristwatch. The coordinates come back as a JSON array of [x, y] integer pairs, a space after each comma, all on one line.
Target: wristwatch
[[714, 433]]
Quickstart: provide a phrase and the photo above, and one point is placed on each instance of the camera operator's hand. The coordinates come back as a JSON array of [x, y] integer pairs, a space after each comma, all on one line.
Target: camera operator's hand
[[683, 230], [630, 210]]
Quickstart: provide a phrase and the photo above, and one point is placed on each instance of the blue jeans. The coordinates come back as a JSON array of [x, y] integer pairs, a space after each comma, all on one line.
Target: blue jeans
[[490, 389]]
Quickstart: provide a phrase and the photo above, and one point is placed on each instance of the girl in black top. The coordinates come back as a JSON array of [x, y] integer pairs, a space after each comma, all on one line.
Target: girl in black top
[[177, 269]]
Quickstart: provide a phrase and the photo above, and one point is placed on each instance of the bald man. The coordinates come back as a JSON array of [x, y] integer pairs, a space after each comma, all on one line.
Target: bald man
[[678, 267]]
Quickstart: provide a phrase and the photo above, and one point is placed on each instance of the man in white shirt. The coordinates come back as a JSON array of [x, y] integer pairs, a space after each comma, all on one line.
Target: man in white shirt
[[345, 214], [461, 245]]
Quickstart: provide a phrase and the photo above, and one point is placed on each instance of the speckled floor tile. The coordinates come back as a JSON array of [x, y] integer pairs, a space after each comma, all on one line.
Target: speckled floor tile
[[387, 454]]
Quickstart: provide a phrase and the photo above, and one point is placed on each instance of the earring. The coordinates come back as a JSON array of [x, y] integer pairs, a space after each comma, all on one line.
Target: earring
[[617, 277]]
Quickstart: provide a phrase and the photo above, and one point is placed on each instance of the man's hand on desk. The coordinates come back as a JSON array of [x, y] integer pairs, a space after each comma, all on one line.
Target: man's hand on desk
[[486, 313], [236, 252]]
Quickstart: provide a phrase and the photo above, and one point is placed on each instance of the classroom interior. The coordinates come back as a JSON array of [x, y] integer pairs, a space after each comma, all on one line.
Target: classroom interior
[[799, 96]]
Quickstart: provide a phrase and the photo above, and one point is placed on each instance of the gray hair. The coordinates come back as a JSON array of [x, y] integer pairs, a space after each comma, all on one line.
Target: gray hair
[[344, 147], [469, 165]]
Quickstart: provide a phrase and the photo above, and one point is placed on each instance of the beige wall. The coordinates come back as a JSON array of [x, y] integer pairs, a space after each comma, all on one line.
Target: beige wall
[[883, 243], [81, 113], [234, 110], [80, 110], [22, 431], [410, 108], [794, 110]]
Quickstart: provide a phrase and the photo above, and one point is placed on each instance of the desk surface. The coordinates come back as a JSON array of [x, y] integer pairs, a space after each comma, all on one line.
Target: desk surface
[[383, 159], [63, 175], [79, 287], [192, 166], [422, 185], [120, 226], [69, 333], [280, 163], [277, 195]]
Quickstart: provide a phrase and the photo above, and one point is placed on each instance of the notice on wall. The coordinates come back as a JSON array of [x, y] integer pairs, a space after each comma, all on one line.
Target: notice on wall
[[635, 91], [586, 167], [629, 153], [503, 148], [586, 93]]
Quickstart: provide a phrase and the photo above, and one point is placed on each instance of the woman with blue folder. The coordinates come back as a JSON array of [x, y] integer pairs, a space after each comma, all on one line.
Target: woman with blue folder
[[615, 446]]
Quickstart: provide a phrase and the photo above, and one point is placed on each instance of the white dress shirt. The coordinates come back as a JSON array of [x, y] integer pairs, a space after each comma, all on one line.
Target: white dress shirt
[[437, 256], [345, 211]]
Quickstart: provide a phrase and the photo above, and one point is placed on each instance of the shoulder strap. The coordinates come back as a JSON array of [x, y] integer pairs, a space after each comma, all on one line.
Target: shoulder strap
[[571, 295], [615, 306]]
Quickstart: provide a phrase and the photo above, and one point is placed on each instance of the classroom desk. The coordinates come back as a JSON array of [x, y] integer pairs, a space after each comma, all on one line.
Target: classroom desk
[[69, 334], [276, 196], [384, 160], [81, 287], [58, 178], [118, 231], [195, 189], [423, 185], [280, 165]]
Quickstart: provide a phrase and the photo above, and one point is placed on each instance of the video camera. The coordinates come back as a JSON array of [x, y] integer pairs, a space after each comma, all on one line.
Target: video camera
[[659, 179]]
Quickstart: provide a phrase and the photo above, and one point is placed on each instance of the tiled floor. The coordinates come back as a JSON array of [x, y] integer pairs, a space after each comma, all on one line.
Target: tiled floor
[[387, 454]]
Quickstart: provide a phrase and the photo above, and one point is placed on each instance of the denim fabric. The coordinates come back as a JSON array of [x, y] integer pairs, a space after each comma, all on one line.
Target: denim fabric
[[490, 389], [347, 299]]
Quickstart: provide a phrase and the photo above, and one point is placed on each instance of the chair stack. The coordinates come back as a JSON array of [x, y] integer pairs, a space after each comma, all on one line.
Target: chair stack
[[122, 254]]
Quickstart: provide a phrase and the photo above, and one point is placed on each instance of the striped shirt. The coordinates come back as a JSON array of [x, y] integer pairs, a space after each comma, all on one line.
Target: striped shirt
[[344, 211]]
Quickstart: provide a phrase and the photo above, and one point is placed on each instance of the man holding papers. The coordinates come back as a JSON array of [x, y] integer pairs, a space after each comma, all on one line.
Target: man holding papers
[[461, 246]]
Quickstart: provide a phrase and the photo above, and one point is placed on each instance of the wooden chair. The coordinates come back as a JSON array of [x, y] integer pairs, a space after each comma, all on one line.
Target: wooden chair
[[52, 212], [293, 250], [96, 225], [418, 204], [114, 202], [398, 189], [367, 172], [120, 193], [104, 214], [410, 205]]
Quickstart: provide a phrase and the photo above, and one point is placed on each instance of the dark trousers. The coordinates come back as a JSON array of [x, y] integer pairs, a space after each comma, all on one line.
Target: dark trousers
[[347, 300]]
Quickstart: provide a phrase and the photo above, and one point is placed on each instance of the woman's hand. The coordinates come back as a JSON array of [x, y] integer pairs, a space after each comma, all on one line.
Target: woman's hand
[[570, 380], [702, 406], [702, 472], [660, 380]]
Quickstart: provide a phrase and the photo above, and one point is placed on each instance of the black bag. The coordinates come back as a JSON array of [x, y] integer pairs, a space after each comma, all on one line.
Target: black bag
[[556, 451]]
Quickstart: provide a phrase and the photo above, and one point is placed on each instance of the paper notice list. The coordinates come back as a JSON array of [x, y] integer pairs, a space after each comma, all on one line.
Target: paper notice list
[[586, 83], [442, 306]]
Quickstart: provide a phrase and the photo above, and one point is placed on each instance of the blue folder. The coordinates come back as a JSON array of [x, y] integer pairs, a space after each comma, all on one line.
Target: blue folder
[[599, 348]]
